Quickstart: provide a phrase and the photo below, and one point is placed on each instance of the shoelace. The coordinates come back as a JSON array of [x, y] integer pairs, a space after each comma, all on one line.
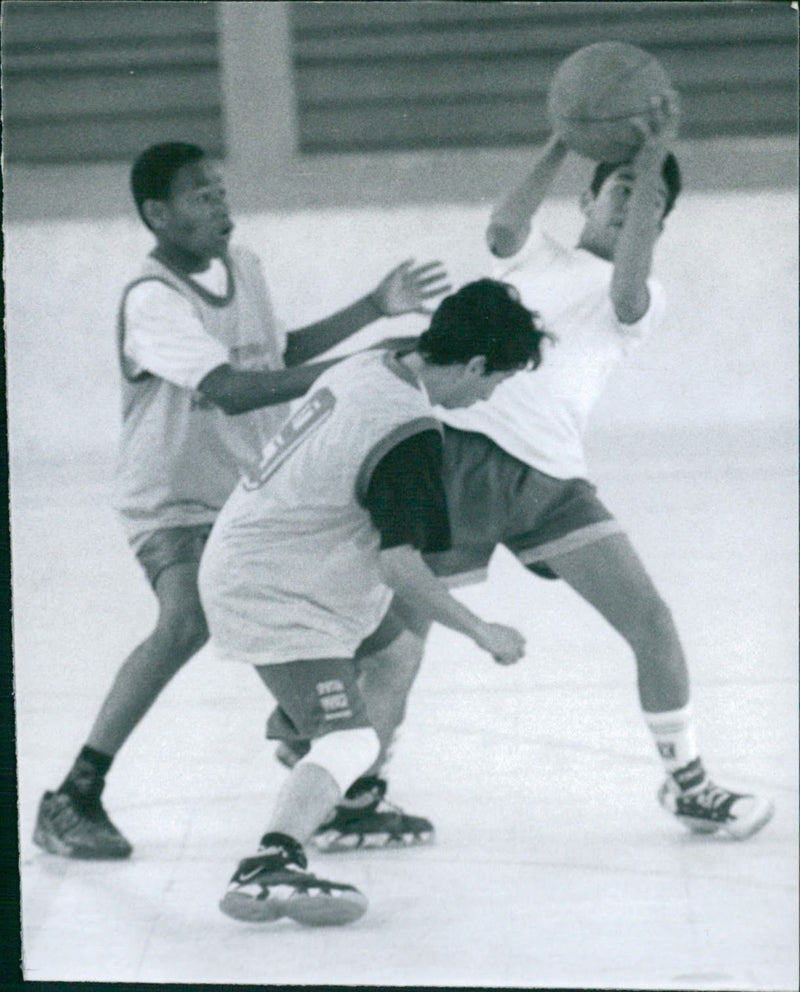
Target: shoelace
[[711, 797]]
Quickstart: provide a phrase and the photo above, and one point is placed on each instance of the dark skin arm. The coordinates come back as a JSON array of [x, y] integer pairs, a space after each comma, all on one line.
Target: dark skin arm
[[241, 390], [404, 290]]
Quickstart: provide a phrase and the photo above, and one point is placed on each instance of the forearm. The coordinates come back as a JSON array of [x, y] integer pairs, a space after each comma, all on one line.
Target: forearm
[[510, 221], [307, 342], [239, 391], [405, 572], [633, 254]]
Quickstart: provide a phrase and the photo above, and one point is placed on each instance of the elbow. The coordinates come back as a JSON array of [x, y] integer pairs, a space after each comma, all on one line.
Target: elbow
[[225, 401], [229, 406], [629, 307], [503, 241]]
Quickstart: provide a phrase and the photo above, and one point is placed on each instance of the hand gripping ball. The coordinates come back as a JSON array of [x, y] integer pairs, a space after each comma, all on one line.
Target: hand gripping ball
[[595, 93]]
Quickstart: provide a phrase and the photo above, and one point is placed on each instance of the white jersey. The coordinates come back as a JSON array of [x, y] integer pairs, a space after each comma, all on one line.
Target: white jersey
[[291, 570], [540, 417]]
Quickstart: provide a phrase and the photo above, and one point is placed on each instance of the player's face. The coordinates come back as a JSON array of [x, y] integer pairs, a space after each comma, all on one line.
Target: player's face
[[606, 212], [474, 385], [195, 217]]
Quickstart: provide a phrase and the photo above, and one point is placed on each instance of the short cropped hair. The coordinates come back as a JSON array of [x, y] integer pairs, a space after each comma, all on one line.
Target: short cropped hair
[[154, 170], [670, 172], [485, 318]]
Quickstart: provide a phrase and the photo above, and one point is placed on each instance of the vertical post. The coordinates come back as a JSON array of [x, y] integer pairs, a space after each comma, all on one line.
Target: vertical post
[[259, 118]]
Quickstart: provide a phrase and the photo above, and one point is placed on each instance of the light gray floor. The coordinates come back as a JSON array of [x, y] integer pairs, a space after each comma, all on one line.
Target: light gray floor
[[553, 864]]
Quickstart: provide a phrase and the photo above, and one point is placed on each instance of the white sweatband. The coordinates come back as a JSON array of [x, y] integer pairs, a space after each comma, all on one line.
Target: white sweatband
[[345, 754]]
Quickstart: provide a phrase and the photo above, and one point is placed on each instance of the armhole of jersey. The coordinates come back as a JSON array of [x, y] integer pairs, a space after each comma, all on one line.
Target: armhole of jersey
[[385, 445], [124, 362]]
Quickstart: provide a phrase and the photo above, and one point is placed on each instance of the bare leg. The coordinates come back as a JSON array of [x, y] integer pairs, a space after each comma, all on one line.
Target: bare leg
[[610, 576], [180, 632], [385, 682]]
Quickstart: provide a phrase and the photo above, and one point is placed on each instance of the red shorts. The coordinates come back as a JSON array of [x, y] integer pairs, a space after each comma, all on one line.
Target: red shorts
[[494, 498], [320, 695]]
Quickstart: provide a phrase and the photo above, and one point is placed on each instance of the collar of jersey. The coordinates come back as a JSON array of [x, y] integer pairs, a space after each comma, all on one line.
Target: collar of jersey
[[206, 295], [392, 363]]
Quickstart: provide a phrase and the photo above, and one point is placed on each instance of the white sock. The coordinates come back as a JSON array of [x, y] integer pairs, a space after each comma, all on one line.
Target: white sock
[[674, 736]]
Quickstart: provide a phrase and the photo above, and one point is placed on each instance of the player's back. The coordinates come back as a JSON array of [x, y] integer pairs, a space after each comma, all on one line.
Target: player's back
[[298, 535]]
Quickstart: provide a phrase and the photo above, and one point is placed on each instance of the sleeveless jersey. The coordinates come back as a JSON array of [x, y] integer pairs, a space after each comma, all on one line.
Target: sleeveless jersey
[[291, 570], [180, 456]]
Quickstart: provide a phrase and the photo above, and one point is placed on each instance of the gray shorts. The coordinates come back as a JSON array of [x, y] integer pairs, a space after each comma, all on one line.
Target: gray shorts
[[172, 546], [494, 498]]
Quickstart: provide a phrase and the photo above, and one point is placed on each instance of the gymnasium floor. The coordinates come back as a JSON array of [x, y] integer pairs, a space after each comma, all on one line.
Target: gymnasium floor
[[553, 866]]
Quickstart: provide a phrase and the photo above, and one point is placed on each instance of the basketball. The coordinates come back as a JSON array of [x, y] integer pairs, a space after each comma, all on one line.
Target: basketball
[[595, 93]]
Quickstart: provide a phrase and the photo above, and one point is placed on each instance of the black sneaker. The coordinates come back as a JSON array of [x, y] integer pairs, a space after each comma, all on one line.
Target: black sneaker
[[273, 884], [707, 808], [77, 828], [366, 819]]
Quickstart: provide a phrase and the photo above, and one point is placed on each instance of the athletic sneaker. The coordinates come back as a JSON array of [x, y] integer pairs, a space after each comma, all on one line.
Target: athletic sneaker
[[707, 808], [274, 884], [77, 828], [358, 822]]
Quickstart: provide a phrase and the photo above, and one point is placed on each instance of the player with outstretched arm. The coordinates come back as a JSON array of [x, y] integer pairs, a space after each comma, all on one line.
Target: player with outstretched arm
[[200, 352]]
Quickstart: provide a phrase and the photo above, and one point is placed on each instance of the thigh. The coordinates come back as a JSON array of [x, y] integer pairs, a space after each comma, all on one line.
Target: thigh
[[315, 697], [178, 595], [172, 546], [389, 629], [610, 575], [481, 483]]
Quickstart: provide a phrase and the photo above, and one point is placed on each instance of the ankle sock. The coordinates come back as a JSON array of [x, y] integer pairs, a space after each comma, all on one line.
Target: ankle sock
[[690, 776], [674, 735], [86, 778]]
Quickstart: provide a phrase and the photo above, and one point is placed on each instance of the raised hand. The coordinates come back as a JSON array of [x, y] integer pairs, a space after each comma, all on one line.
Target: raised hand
[[505, 644], [660, 123], [406, 289]]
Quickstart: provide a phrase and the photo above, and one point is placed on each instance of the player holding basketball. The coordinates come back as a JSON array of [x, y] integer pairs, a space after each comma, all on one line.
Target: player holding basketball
[[298, 574], [514, 466], [198, 343], [599, 301]]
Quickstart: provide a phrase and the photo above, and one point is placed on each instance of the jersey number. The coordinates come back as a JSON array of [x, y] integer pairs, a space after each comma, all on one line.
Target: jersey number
[[309, 418]]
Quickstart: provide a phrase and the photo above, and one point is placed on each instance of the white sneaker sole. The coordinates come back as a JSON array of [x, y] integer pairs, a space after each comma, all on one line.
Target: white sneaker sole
[[321, 910], [335, 843]]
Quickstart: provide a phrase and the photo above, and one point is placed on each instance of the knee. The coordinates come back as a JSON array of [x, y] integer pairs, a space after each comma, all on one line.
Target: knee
[[182, 633], [345, 754], [405, 659], [652, 624]]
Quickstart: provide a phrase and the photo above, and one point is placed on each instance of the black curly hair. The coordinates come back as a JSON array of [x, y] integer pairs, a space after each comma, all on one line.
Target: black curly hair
[[485, 318]]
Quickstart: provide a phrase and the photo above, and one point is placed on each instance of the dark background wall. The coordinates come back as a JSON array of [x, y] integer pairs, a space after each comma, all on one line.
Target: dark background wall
[[94, 81], [311, 104]]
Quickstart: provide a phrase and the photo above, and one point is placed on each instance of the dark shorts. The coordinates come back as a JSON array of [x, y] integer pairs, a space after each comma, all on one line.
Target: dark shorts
[[494, 498], [317, 696], [172, 546]]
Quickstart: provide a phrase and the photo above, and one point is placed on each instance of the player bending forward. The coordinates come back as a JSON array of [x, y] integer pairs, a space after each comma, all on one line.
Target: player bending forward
[[298, 575]]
